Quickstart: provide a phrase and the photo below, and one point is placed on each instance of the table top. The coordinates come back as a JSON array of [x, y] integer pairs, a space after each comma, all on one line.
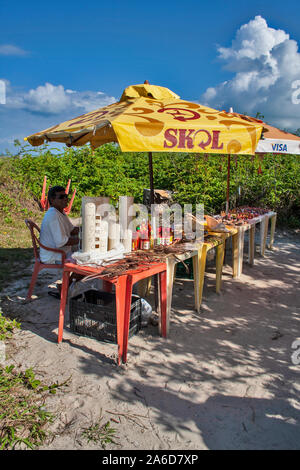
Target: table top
[[258, 219], [232, 231], [212, 240], [154, 266], [250, 222]]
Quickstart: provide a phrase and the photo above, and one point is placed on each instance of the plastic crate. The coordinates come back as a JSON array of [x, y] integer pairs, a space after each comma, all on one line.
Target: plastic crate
[[93, 314], [181, 271]]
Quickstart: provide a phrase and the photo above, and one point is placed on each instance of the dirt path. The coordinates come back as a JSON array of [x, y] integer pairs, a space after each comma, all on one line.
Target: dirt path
[[223, 379]]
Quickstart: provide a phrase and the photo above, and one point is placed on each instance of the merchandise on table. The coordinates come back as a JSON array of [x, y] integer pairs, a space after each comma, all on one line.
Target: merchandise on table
[[102, 238], [215, 224], [241, 215], [144, 232], [143, 237]]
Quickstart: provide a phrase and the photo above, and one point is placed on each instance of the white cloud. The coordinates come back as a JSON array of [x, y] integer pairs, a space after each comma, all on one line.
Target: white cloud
[[26, 112], [265, 63], [253, 40], [55, 99], [48, 99], [9, 49]]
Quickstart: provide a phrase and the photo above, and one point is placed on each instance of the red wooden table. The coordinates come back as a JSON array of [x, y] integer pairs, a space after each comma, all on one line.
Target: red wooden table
[[123, 287]]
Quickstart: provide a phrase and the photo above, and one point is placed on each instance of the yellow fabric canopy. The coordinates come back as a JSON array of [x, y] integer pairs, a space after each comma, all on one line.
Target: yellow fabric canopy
[[152, 118]]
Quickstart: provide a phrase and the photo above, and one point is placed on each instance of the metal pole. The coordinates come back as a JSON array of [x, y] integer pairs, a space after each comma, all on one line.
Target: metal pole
[[151, 179], [152, 202], [228, 184], [228, 176]]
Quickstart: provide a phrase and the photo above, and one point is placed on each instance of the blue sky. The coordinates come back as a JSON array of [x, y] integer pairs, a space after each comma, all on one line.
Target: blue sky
[[88, 52]]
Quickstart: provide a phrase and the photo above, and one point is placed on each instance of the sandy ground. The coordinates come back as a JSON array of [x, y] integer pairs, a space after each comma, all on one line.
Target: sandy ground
[[223, 379]]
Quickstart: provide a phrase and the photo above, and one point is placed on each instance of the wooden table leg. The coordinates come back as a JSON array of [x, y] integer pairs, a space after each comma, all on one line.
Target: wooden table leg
[[196, 271], [63, 301], [272, 233], [171, 264], [240, 252], [263, 234], [203, 252], [143, 287], [220, 250], [235, 254], [251, 245]]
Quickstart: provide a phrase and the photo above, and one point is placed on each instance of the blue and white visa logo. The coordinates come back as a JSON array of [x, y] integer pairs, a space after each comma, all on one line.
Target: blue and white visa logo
[[279, 147]]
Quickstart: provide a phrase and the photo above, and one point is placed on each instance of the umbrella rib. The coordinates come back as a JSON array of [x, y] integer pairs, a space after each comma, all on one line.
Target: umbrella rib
[[74, 140], [96, 128]]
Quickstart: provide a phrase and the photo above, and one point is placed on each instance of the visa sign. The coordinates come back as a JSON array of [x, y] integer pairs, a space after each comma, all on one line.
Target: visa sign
[[185, 139], [279, 147]]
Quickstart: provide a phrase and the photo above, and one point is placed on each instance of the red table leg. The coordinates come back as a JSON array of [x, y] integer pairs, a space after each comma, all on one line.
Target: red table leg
[[123, 291], [120, 308], [163, 302], [127, 316], [63, 301]]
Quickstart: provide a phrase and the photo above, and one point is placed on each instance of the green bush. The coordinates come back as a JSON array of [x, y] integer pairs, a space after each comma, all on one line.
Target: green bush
[[194, 178]]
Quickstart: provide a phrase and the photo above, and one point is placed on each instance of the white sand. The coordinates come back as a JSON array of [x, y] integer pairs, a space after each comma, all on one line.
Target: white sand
[[221, 380]]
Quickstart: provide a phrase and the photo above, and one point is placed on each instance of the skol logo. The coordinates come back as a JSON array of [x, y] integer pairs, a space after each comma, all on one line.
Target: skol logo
[[190, 138]]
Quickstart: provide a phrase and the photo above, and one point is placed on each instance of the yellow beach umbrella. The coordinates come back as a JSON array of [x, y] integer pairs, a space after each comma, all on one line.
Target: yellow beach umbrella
[[152, 118]]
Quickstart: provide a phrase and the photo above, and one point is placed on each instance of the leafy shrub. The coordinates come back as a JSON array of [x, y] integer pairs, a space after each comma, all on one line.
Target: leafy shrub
[[193, 178], [7, 326]]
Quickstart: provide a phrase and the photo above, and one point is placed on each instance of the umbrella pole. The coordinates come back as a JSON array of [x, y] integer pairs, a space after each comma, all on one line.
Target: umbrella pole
[[228, 184], [152, 202], [151, 178]]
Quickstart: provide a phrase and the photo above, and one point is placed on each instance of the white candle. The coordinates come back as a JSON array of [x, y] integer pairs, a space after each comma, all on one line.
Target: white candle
[[113, 235], [125, 202], [127, 241], [88, 227]]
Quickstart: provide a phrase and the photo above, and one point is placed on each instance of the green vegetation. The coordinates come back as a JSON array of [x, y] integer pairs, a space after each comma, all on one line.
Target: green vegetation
[[23, 418], [100, 432], [194, 178], [7, 326], [16, 203]]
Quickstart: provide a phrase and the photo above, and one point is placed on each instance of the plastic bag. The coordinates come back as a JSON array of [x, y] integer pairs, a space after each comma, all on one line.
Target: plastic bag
[[146, 312], [77, 288]]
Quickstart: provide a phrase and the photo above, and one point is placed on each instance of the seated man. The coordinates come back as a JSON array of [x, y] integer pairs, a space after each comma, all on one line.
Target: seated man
[[57, 230]]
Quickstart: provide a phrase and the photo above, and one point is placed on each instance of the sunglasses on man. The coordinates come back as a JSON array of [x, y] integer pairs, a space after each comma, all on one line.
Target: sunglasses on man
[[62, 196]]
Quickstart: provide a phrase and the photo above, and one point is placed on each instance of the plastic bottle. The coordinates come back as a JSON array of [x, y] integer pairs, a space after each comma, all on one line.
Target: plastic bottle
[[144, 236], [136, 239]]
